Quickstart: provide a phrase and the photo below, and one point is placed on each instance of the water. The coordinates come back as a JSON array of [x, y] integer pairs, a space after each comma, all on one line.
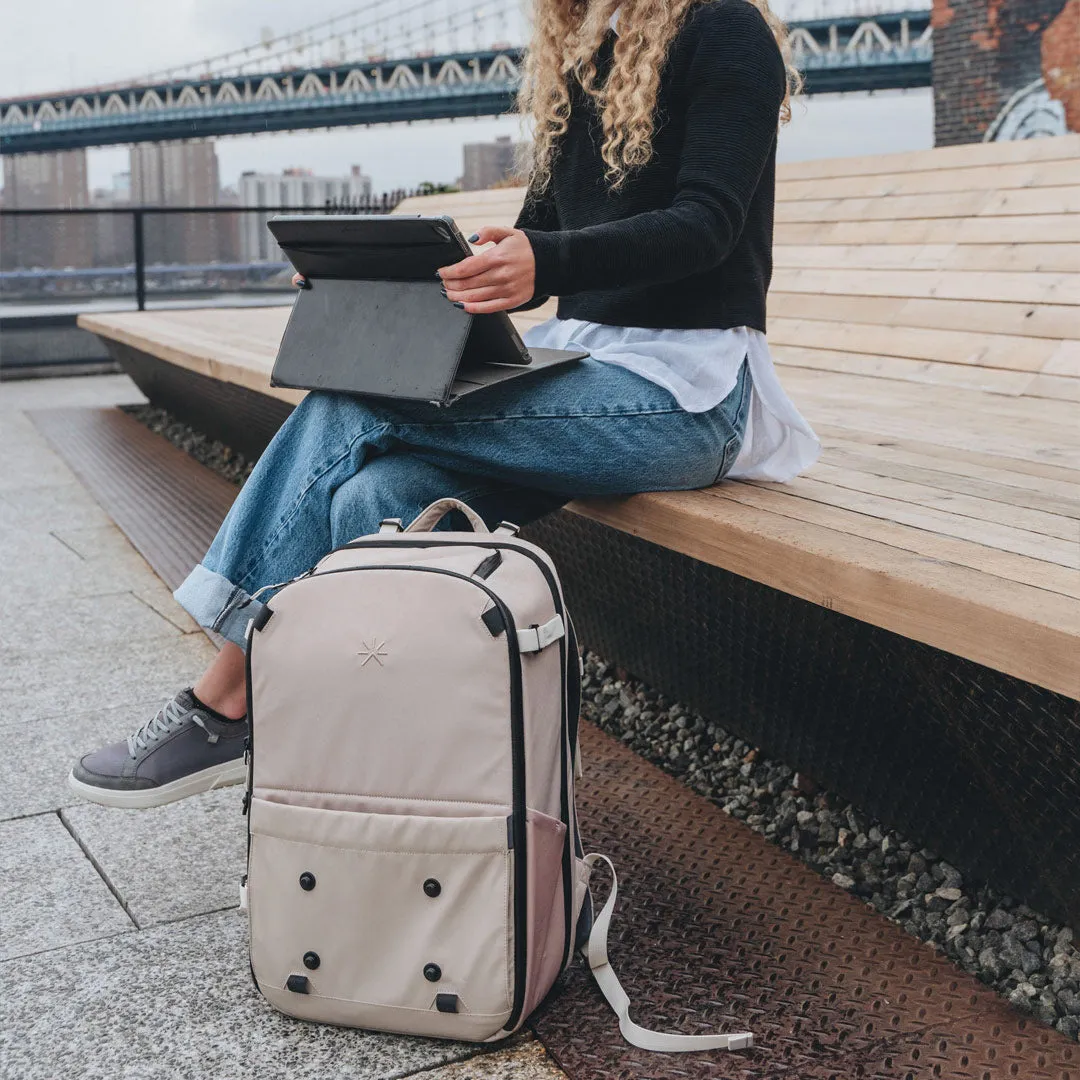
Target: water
[[203, 300]]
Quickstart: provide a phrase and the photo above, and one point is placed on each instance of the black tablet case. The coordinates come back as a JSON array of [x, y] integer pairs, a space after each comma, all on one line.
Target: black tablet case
[[374, 320]]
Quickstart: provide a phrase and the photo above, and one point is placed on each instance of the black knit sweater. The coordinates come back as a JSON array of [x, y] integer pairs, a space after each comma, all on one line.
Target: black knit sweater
[[688, 240]]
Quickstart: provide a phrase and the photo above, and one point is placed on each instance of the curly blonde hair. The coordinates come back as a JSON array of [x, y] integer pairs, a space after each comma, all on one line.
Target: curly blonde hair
[[566, 35]]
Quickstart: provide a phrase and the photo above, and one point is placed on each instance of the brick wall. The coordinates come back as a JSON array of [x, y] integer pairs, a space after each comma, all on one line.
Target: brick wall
[[1007, 67]]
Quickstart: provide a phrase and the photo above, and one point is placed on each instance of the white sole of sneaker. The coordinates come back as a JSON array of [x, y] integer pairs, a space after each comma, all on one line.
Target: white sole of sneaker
[[217, 776]]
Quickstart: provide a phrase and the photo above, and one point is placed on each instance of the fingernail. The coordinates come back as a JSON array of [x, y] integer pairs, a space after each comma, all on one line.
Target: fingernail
[[442, 289], [438, 274], [458, 303], [475, 236]]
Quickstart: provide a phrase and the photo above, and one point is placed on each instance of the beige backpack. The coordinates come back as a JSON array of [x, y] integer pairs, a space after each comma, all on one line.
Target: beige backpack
[[413, 862]]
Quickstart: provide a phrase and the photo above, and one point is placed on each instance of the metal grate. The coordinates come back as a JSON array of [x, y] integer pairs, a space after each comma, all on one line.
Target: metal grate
[[166, 503], [717, 929]]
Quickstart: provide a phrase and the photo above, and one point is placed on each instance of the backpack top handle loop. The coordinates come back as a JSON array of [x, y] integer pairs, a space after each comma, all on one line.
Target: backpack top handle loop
[[428, 518]]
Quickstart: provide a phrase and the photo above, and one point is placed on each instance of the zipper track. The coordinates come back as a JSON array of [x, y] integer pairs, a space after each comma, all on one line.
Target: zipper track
[[564, 794], [517, 753]]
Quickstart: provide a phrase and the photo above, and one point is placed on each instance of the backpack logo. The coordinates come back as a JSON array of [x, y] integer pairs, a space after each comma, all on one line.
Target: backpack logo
[[375, 651]]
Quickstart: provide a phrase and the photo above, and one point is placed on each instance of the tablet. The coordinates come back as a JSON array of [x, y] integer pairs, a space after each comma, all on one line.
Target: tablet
[[374, 321]]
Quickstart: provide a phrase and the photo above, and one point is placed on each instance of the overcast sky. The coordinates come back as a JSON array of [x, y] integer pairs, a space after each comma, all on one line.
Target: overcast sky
[[64, 43]]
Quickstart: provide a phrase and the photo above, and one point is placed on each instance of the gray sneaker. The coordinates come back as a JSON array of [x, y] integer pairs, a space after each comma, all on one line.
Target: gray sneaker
[[181, 751]]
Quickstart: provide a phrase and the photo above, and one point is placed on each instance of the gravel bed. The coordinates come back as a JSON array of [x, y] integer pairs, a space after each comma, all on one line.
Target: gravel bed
[[1027, 958], [215, 455]]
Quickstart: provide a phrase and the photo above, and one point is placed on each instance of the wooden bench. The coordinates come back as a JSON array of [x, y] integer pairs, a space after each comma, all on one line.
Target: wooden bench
[[925, 312], [925, 316]]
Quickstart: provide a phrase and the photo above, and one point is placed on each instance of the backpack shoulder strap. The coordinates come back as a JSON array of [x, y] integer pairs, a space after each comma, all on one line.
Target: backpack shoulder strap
[[612, 989]]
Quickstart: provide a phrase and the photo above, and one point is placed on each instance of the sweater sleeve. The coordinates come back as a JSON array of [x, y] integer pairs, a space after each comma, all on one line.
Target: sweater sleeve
[[735, 86], [538, 214]]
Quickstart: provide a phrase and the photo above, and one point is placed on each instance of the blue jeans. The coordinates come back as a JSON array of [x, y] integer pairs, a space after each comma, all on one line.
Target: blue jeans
[[514, 451]]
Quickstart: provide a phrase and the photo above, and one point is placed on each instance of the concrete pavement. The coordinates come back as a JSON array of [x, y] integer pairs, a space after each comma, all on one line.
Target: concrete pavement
[[122, 954]]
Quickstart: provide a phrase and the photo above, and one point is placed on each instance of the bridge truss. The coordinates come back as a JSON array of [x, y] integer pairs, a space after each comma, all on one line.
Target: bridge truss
[[838, 55]]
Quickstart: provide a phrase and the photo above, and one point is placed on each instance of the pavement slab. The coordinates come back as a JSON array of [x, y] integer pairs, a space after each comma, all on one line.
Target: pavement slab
[[51, 506], [77, 620], [168, 862], [39, 754], [98, 675], [177, 1003], [50, 894], [60, 564], [28, 460], [527, 1061], [80, 562], [99, 390]]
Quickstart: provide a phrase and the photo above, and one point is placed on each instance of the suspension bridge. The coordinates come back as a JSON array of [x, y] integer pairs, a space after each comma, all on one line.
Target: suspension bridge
[[428, 60]]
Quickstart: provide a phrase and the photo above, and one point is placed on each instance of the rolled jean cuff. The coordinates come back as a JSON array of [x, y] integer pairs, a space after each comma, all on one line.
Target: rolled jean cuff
[[215, 603]]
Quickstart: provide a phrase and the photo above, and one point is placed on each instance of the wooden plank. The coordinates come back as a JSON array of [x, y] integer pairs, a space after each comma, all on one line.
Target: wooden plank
[[1023, 215], [1057, 321], [212, 344], [991, 380], [1006, 288], [928, 468], [967, 168], [1035, 429], [969, 156], [1038, 228], [1042, 201], [1010, 352], [1012, 627], [1015, 175], [454, 201], [506, 202], [1065, 359], [1044, 258], [1053, 386], [999, 565], [986, 509], [984, 416], [1040, 475], [937, 522], [957, 419]]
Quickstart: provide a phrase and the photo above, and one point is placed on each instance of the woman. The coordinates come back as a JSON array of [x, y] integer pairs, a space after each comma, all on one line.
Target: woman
[[649, 214]]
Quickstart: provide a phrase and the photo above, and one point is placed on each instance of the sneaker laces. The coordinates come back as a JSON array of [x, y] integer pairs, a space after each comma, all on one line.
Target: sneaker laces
[[169, 719]]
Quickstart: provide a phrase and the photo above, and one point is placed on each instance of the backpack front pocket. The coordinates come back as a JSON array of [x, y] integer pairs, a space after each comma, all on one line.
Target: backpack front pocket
[[398, 922]]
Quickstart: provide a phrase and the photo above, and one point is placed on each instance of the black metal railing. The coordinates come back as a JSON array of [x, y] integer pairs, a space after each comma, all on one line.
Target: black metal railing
[[67, 255]]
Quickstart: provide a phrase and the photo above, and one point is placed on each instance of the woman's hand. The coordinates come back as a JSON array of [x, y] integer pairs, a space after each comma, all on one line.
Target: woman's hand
[[498, 279], [299, 281]]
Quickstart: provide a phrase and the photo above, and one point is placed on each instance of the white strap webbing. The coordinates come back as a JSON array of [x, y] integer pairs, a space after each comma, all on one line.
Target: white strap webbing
[[536, 638], [612, 989]]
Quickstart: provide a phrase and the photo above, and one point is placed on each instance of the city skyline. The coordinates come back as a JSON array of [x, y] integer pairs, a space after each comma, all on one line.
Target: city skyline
[[404, 156]]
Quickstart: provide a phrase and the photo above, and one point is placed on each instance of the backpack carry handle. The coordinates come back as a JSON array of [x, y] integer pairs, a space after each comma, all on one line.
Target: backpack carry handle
[[428, 518]]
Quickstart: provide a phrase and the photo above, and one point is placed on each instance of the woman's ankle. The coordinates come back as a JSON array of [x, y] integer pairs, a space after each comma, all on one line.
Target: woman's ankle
[[222, 688], [224, 707]]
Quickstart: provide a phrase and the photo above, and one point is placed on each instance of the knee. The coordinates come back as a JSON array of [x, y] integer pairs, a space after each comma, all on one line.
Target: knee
[[325, 413], [323, 408], [381, 489]]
